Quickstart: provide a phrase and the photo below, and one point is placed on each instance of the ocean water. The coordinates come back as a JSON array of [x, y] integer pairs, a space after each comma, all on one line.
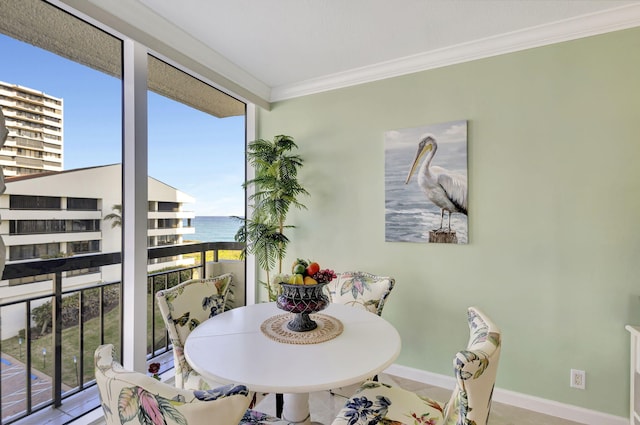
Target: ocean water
[[214, 228]]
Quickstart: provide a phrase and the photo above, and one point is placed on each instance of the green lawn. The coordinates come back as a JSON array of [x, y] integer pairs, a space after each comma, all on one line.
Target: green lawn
[[222, 255], [70, 348], [71, 345]]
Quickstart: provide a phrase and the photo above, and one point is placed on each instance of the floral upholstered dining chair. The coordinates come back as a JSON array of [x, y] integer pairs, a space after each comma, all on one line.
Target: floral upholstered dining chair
[[475, 369], [360, 289], [185, 306], [130, 398]]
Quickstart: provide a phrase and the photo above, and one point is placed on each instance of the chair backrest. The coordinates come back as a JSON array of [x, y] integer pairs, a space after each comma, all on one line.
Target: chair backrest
[[134, 398], [184, 307], [361, 289], [475, 370]]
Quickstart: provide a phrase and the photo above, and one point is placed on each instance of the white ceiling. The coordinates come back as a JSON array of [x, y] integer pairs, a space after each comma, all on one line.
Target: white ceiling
[[285, 48]]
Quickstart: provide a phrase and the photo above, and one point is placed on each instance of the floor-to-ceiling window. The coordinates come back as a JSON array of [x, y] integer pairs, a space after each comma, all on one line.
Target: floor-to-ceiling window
[[195, 145], [61, 95], [61, 91]]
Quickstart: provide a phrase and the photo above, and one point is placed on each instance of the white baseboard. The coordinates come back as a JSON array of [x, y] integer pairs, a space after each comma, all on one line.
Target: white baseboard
[[512, 398]]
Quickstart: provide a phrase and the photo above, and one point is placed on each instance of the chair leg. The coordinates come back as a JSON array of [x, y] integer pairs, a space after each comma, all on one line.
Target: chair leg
[[337, 395], [279, 404]]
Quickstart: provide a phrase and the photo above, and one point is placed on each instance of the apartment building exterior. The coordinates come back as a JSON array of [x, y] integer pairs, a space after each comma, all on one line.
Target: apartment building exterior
[[35, 123], [62, 213]]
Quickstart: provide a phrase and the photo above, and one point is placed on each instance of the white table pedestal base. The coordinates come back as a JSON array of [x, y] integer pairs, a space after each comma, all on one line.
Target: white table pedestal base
[[296, 408]]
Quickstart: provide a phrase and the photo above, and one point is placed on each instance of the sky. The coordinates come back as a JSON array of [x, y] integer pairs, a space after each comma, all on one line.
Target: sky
[[451, 137], [189, 150]]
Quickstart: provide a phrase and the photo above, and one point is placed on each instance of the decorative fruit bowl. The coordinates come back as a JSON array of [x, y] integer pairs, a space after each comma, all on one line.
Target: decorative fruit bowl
[[302, 300], [303, 294]]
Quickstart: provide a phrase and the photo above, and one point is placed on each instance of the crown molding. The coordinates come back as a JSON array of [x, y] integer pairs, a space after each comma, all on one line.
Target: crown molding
[[570, 29]]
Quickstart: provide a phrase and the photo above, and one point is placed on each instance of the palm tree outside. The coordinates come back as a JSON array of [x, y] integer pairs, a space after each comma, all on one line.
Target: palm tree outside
[[115, 217]]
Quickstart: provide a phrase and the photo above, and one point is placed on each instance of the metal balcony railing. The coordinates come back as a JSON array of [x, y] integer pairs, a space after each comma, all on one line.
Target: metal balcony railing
[[45, 365]]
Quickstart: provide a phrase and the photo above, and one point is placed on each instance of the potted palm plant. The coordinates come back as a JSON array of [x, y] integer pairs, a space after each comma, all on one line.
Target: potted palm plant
[[276, 190]]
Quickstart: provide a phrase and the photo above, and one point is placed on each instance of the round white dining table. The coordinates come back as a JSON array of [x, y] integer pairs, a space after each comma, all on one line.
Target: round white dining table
[[231, 348]]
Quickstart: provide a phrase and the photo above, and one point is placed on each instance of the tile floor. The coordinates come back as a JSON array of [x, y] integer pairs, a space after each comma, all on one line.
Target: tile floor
[[324, 406]]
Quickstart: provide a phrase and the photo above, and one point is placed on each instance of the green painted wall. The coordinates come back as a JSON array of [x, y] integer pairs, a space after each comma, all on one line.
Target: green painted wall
[[554, 173]]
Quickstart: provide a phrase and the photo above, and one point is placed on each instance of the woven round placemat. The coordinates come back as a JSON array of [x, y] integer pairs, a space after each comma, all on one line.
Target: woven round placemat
[[276, 328]]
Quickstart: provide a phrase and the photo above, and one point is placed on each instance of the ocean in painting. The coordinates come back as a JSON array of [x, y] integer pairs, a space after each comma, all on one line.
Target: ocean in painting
[[214, 229]]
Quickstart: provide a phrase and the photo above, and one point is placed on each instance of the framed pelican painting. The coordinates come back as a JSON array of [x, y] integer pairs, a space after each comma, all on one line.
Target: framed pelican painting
[[426, 184]]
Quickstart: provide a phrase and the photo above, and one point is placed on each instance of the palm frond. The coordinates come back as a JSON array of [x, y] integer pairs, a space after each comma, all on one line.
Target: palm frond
[[115, 217]]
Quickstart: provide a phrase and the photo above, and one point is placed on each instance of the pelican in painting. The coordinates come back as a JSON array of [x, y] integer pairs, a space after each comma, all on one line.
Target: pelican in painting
[[446, 190]]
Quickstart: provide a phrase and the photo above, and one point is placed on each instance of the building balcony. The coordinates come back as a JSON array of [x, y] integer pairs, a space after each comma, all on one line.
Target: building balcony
[[39, 238], [171, 214], [18, 214], [172, 231]]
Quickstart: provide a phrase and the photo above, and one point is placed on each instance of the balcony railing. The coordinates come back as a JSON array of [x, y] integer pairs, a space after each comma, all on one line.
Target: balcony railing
[[45, 365]]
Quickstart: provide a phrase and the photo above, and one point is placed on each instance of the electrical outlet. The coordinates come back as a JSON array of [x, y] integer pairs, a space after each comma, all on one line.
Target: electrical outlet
[[578, 379]]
